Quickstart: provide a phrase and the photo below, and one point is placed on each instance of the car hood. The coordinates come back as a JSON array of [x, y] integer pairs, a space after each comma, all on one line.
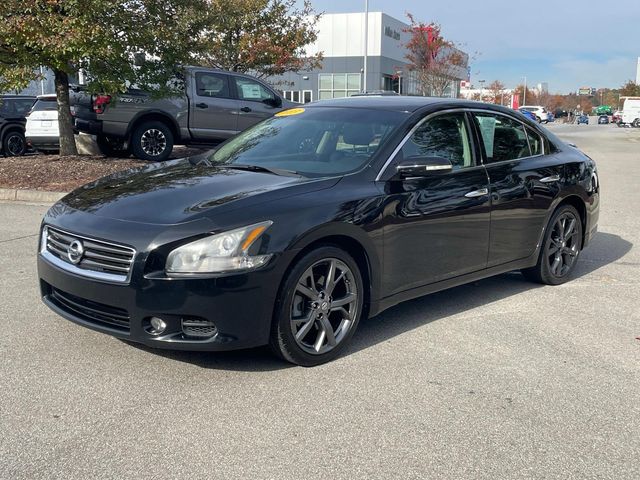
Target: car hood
[[183, 190]]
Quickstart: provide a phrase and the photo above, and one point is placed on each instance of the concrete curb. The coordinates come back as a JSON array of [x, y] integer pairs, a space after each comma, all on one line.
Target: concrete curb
[[38, 196]]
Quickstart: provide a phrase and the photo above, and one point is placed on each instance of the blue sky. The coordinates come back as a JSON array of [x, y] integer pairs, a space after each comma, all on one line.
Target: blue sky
[[567, 43]]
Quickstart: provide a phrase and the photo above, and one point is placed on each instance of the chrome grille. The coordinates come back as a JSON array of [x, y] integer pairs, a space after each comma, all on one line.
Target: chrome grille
[[87, 256]]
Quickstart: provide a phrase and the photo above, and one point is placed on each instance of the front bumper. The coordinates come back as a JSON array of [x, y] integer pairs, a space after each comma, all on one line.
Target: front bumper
[[240, 306]]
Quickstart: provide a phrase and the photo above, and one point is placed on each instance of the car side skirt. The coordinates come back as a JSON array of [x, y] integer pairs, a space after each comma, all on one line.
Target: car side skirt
[[379, 306]]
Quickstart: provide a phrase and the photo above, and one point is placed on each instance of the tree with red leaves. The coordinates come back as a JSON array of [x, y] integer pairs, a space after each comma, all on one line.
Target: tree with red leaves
[[434, 61]]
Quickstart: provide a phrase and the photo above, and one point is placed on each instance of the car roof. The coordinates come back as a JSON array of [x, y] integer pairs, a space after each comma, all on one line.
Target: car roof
[[18, 97], [403, 103]]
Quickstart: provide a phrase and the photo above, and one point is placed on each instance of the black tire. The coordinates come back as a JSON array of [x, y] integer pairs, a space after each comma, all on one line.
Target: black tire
[[564, 248], [112, 147], [152, 141], [14, 144], [296, 310]]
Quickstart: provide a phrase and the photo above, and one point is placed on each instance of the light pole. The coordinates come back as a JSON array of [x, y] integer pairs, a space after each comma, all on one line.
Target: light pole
[[399, 74], [524, 94], [366, 41], [481, 82]]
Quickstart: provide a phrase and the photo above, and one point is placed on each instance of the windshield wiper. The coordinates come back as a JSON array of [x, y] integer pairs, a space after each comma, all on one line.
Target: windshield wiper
[[260, 168]]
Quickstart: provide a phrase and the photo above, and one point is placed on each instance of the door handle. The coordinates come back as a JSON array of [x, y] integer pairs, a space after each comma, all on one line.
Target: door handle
[[550, 179], [477, 193], [245, 109], [202, 105]]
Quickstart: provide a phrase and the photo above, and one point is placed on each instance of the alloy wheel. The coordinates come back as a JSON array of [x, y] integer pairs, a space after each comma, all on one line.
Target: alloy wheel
[[563, 245], [15, 145], [153, 142], [324, 306]]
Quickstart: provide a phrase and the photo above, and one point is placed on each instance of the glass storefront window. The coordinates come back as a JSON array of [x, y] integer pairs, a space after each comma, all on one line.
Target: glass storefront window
[[325, 81], [353, 81]]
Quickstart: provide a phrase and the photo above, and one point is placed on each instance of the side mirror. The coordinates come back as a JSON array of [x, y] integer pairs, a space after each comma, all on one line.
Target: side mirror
[[275, 102], [418, 166]]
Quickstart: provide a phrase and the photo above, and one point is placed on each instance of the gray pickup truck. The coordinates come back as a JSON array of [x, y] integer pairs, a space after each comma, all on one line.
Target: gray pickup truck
[[216, 105]]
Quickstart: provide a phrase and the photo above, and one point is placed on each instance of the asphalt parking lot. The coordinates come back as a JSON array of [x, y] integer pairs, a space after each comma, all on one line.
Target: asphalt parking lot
[[497, 379]]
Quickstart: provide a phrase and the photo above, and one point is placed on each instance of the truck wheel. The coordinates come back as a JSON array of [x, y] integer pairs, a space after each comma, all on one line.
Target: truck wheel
[[636, 123], [14, 144], [152, 141], [112, 147]]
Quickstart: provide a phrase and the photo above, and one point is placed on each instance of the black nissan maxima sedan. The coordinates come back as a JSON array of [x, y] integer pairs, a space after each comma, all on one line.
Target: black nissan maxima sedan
[[295, 230]]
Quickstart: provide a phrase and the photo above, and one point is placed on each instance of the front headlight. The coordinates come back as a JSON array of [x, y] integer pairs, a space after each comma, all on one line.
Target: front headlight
[[224, 252]]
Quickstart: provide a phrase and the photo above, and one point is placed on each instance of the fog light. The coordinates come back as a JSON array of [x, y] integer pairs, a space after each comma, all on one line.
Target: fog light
[[157, 326]]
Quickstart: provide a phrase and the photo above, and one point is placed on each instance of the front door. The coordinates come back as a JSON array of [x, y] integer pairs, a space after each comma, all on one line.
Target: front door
[[256, 101], [213, 110], [436, 227], [524, 181]]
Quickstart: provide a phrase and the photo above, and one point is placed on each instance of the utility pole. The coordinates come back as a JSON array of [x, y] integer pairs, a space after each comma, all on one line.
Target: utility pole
[[524, 95], [366, 41]]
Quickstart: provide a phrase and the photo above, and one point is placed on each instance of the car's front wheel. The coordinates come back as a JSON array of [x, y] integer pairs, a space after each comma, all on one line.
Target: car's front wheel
[[560, 250], [319, 307]]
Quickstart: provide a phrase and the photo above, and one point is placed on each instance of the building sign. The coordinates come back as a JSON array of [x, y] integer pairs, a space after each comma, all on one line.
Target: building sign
[[585, 91], [392, 33]]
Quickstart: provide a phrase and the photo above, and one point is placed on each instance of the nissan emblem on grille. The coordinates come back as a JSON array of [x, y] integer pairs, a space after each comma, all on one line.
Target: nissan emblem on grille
[[75, 252]]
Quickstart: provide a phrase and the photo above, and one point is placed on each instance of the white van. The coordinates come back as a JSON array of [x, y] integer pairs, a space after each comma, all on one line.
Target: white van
[[42, 131], [631, 112]]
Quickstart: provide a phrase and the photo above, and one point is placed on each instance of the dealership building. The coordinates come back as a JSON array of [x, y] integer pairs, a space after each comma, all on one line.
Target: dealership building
[[341, 42]]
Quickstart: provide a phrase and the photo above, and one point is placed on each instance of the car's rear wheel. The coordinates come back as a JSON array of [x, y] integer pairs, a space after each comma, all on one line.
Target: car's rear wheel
[[112, 147], [319, 307], [152, 141], [14, 144], [560, 249]]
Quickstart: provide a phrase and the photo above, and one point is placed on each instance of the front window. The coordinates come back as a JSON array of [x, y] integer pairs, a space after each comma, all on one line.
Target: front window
[[314, 142], [251, 90]]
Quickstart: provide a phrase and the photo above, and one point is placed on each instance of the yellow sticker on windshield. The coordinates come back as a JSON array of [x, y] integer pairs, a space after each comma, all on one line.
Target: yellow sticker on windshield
[[291, 111]]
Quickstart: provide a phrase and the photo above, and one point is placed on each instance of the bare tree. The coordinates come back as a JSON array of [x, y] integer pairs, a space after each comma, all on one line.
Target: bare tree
[[496, 89]]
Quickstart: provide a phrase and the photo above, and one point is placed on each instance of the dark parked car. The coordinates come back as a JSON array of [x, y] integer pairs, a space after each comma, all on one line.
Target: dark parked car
[[603, 120], [293, 231], [13, 109], [583, 119]]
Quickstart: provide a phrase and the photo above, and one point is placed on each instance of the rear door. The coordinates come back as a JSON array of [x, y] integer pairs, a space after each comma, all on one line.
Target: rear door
[[524, 180], [213, 110], [257, 101]]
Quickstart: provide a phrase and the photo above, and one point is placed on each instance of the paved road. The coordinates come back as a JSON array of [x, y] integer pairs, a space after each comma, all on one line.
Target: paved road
[[498, 379]]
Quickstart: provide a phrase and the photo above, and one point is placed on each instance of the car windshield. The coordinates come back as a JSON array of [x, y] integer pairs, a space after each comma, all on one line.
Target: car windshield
[[314, 142]]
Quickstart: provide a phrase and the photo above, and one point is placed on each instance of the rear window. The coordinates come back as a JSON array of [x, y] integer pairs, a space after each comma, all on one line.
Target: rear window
[[15, 106], [45, 104]]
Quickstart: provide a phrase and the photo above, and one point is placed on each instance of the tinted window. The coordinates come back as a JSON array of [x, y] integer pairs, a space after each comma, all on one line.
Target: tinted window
[[212, 85], [442, 136], [23, 106], [251, 90], [45, 104], [503, 138], [535, 141], [315, 142], [16, 107]]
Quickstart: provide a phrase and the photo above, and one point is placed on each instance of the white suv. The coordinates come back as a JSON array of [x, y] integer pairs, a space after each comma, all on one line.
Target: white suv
[[539, 111], [42, 131]]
